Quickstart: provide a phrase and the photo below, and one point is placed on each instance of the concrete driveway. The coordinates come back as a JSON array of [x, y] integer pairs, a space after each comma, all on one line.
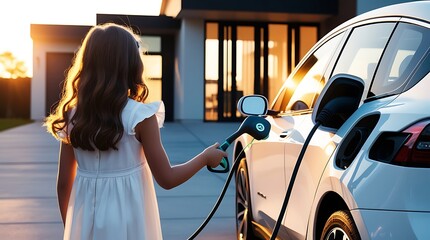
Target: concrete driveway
[[28, 169]]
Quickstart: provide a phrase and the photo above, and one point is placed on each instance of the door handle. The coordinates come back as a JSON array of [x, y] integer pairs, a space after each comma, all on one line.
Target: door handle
[[285, 134]]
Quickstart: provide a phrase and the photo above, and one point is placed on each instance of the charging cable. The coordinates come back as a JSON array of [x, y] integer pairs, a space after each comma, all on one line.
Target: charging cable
[[221, 196], [291, 184], [335, 109]]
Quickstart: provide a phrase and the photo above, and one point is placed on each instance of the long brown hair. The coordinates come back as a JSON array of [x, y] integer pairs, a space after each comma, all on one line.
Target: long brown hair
[[106, 70]]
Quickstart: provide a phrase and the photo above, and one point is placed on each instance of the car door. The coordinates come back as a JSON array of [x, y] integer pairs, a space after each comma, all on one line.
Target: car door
[[294, 104]]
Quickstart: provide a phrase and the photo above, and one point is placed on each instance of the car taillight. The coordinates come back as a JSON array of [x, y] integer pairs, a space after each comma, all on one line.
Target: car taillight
[[416, 151], [410, 147]]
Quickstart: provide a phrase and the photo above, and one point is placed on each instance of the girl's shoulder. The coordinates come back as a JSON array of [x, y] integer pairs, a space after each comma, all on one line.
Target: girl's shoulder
[[134, 112]]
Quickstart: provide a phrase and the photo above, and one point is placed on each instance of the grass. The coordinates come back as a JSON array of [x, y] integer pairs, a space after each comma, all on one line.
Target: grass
[[8, 123]]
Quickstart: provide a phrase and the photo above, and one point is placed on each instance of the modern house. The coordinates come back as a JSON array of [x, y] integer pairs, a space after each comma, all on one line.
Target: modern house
[[202, 55]]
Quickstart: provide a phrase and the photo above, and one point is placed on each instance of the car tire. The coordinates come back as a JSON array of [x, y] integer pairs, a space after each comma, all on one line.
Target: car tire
[[340, 225], [243, 203]]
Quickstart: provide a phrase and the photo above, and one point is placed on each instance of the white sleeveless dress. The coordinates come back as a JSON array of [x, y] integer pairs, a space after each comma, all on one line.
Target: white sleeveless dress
[[113, 196]]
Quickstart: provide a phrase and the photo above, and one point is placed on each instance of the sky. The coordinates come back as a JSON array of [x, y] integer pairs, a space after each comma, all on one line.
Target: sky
[[17, 15]]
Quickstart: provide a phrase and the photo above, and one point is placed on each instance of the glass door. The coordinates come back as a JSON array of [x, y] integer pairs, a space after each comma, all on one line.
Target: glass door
[[229, 73], [249, 58], [238, 54]]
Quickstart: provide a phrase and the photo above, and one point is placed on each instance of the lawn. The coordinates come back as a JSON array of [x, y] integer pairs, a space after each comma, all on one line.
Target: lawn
[[7, 123]]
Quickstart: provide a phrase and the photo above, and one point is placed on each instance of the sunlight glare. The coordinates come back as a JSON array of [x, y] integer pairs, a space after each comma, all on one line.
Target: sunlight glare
[[17, 15], [15, 34]]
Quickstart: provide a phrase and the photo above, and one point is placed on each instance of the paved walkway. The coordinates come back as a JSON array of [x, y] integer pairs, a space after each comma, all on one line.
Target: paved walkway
[[28, 169]]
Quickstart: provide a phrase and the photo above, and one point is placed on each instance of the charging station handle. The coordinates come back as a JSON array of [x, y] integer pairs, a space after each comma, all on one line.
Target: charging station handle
[[224, 162]]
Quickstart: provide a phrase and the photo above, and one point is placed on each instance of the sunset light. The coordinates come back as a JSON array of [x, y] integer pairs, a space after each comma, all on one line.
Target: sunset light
[[16, 17]]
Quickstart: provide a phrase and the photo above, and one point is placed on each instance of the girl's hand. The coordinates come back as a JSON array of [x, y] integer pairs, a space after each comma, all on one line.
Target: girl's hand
[[214, 155]]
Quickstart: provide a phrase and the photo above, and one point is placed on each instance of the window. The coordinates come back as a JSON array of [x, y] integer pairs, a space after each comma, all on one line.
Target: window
[[278, 58], [363, 50], [153, 66], [151, 43], [301, 90], [153, 76], [406, 48]]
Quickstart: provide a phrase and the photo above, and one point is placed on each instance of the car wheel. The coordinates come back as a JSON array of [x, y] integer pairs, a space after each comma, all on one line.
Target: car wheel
[[340, 226], [243, 203]]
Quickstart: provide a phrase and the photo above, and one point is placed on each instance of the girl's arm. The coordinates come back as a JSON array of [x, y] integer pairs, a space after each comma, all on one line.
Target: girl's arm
[[167, 176], [66, 176]]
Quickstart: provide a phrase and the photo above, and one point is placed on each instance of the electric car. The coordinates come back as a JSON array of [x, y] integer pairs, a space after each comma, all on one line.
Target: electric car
[[365, 172]]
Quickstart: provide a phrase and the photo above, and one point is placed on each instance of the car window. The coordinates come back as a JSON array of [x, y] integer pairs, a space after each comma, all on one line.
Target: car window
[[363, 50], [300, 91], [406, 49]]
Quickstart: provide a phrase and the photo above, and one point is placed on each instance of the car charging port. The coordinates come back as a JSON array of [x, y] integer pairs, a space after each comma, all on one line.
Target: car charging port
[[354, 140]]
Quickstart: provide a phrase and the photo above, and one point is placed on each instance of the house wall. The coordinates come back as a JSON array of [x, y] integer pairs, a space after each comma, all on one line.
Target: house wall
[[189, 70], [347, 10], [38, 85], [367, 5]]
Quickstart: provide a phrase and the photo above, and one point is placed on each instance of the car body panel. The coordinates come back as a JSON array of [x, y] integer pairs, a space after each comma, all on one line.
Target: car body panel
[[401, 187], [372, 185], [317, 154], [266, 175], [401, 224]]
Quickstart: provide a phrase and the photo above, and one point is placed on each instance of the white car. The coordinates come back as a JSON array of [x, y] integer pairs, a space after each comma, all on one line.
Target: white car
[[366, 171]]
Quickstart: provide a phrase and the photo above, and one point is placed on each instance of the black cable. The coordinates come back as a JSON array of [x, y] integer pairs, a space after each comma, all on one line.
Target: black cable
[[220, 197], [292, 180]]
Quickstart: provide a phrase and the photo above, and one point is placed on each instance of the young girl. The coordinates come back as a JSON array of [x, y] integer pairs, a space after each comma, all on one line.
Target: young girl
[[108, 135]]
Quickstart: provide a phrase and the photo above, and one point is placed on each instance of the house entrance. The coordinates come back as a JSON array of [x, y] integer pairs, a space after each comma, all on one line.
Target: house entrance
[[249, 58]]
